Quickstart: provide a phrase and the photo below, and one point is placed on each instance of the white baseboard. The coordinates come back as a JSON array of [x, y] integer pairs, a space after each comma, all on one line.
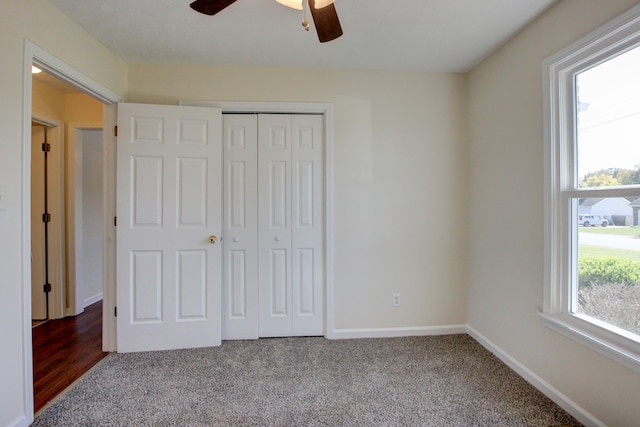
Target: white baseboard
[[20, 422], [88, 301], [397, 332], [547, 389]]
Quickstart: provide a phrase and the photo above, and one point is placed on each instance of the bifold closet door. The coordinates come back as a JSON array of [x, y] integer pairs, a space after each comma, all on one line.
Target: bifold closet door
[[273, 218], [290, 225]]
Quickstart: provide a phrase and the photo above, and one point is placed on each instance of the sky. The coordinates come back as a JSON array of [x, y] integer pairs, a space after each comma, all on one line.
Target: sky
[[609, 123]]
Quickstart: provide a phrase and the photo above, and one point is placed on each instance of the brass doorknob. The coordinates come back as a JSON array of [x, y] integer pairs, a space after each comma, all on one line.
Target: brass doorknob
[[213, 239]]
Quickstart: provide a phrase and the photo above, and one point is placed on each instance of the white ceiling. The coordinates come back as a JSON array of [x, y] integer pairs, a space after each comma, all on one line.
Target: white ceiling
[[429, 35]]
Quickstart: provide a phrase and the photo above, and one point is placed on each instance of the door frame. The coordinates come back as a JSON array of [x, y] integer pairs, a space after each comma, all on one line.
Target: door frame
[[35, 55], [325, 109]]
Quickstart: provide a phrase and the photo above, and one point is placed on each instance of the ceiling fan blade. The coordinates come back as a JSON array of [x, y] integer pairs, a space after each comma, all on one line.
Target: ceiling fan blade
[[210, 7], [326, 21]]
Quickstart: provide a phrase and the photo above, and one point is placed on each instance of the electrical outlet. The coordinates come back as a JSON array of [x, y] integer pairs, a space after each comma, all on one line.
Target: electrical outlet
[[395, 300]]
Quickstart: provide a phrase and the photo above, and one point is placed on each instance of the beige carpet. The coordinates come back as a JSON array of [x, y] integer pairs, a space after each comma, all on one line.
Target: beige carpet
[[419, 381]]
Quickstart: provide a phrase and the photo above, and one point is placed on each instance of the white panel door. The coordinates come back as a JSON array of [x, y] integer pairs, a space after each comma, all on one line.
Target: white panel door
[[240, 283], [274, 224], [307, 223], [169, 204], [290, 254]]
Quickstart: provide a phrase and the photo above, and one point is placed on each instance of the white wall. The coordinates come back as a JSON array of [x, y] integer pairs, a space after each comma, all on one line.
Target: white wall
[[400, 179], [506, 231], [45, 26]]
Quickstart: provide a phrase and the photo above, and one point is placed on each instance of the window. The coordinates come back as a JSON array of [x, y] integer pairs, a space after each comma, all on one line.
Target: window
[[592, 190]]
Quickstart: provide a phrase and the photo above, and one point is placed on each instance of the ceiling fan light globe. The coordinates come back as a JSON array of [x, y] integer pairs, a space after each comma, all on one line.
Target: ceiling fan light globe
[[294, 4], [319, 4]]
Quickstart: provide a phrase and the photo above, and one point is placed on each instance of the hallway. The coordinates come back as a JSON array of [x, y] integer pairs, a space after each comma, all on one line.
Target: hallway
[[63, 350]]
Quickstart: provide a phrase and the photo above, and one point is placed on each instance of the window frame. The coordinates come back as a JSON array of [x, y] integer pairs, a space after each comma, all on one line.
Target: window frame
[[561, 189]]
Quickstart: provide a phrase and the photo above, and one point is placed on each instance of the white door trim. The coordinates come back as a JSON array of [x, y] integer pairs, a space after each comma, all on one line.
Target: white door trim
[[36, 55], [326, 109], [110, 118]]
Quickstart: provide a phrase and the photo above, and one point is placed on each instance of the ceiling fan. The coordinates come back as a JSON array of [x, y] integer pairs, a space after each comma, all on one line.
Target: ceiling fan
[[323, 12]]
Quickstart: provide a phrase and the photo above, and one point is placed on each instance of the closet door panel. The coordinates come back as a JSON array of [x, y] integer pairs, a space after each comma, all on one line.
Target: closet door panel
[[274, 224], [307, 225], [240, 238]]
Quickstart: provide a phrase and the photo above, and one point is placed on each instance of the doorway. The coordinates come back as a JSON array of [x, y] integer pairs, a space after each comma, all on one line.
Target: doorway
[[273, 280], [34, 55], [67, 236], [85, 216]]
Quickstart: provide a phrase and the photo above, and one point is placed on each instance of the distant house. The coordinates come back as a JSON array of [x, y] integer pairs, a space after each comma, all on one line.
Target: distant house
[[616, 208]]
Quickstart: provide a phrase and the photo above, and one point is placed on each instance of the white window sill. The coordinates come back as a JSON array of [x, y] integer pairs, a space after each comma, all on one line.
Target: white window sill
[[618, 345]]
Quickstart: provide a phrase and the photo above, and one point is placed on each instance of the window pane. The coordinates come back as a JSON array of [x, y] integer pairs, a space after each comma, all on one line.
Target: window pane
[[608, 137], [608, 285]]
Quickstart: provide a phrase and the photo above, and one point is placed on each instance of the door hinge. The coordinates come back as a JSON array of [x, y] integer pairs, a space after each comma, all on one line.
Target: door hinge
[[46, 147], [46, 287], [115, 311], [46, 217], [115, 221], [115, 130]]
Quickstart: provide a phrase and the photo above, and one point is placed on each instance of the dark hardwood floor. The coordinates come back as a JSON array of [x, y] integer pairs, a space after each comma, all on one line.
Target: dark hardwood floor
[[63, 350]]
